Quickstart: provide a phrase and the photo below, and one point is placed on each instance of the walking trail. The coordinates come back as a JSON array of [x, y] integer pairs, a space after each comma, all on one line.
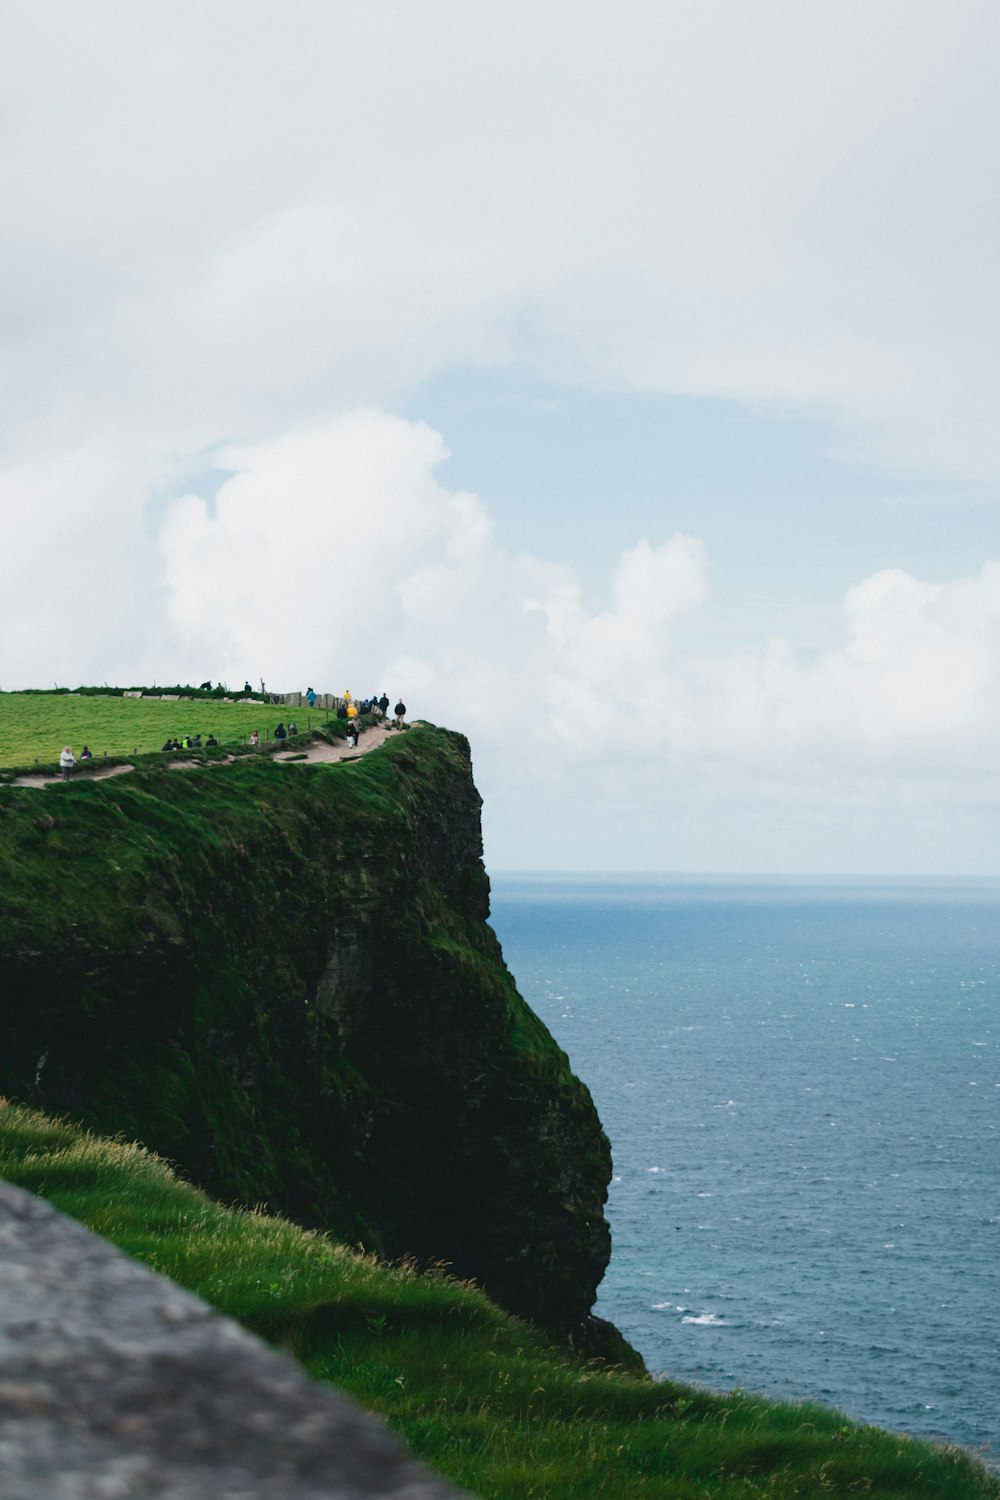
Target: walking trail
[[318, 751]]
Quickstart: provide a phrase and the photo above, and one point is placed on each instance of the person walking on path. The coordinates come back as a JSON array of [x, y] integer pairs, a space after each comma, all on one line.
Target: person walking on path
[[383, 703], [280, 732], [67, 761], [400, 712]]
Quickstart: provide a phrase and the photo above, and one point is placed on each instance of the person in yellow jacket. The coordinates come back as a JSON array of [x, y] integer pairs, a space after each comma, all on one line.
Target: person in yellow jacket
[[352, 710]]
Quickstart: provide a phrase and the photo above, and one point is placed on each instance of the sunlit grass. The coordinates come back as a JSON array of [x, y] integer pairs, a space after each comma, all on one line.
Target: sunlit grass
[[40, 724], [476, 1393]]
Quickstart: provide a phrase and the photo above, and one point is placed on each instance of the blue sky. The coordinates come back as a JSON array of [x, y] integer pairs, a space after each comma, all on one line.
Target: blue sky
[[619, 386], [789, 524]]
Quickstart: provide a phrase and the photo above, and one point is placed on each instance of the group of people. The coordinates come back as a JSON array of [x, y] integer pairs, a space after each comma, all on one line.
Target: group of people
[[349, 709], [189, 742], [67, 760], [280, 733]]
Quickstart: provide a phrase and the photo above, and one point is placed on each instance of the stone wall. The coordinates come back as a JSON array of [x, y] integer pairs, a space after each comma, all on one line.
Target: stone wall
[[117, 1383]]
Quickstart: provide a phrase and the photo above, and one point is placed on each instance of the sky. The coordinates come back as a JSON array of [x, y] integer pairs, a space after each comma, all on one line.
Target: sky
[[619, 385]]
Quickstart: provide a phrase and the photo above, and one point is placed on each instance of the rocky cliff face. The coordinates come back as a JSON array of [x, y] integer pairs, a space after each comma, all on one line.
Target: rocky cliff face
[[282, 979]]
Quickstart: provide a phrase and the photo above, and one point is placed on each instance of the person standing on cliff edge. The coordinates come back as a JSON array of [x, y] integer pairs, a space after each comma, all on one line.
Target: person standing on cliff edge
[[399, 711]]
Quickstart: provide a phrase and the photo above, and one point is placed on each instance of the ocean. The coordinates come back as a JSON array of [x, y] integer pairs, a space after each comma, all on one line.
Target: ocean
[[801, 1084]]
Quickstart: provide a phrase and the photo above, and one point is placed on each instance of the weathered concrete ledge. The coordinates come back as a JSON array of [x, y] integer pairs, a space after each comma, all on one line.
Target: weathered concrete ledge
[[115, 1383]]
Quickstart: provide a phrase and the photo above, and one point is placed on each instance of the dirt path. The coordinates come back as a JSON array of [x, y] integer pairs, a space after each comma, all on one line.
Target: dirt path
[[318, 752], [43, 781]]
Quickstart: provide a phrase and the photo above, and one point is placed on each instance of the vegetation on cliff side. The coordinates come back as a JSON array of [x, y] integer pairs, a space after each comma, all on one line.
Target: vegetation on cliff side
[[478, 1395], [281, 978]]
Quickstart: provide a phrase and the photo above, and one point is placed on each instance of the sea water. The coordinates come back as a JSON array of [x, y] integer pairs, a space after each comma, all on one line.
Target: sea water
[[801, 1084]]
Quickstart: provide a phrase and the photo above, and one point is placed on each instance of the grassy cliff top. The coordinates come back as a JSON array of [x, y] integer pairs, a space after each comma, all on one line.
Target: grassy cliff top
[[40, 724], [477, 1394]]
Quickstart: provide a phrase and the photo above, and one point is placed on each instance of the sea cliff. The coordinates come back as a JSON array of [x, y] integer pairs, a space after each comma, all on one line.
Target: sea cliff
[[282, 978]]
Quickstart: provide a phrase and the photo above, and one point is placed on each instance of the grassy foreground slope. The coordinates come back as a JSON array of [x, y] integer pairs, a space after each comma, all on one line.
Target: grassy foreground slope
[[478, 1395], [40, 724]]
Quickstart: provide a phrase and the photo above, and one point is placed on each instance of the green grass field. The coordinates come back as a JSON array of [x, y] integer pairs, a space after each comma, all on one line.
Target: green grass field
[[40, 724], [478, 1395]]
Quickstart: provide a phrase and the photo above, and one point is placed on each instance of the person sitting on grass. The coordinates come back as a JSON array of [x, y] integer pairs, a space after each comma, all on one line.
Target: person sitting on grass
[[293, 728], [254, 739], [211, 742], [86, 753]]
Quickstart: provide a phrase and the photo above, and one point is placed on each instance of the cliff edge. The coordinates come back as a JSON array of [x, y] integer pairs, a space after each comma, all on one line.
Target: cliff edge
[[282, 979]]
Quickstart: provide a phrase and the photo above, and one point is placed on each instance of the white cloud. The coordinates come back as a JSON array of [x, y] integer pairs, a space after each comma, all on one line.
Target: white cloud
[[79, 587], [266, 209], [337, 546], [333, 553], [316, 544]]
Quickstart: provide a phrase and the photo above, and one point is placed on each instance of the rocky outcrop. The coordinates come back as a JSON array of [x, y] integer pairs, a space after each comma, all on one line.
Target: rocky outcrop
[[282, 979], [117, 1383]]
